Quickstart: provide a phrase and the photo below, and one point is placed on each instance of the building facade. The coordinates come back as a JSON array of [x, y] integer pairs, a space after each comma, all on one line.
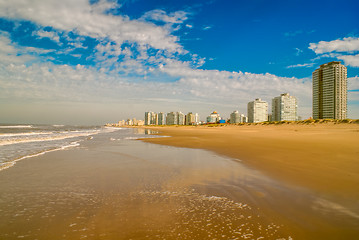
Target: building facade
[[330, 91], [235, 117], [284, 108], [190, 119], [172, 118], [213, 117], [161, 118], [181, 118], [151, 118], [257, 111]]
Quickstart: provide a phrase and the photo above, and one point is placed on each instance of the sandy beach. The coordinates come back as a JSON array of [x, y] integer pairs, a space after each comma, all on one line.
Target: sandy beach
[[322, 157], [112, 186]]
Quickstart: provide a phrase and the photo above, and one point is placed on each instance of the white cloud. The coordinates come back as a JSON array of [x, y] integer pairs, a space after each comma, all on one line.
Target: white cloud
[[89, 20], [220, 89], [301, 65], [162, 16], [353, 83], [48, 34], [349, 44], [10, 53], [351, 60], [342, 49]]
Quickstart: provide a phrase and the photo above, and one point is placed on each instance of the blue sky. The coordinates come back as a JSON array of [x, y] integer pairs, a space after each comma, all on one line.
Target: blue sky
[[102, 61]]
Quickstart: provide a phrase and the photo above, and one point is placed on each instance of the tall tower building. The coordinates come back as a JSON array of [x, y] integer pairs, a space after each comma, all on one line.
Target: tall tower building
[[284, 108], [257, 111], [330, 91]]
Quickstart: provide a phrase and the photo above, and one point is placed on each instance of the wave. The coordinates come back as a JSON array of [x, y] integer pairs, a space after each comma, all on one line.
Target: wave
[[23, 134], [17, 126], [51, 137], [6, 165]]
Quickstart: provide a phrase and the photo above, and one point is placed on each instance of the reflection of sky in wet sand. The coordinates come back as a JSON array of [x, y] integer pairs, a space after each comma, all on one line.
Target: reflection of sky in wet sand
[[124, 189]]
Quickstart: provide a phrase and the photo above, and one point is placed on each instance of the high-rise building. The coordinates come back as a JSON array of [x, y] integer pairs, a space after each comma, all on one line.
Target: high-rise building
[[181, 118], [172, 118], [235, 117], [284, 108], [196, 119], [151, 118], [190, 119], [257, 111], [148, 118], [330, 91], [161, 118], [244, 119]]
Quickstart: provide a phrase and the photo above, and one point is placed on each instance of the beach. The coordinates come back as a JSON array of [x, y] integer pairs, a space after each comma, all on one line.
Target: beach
[[113, 186], [322, 157]]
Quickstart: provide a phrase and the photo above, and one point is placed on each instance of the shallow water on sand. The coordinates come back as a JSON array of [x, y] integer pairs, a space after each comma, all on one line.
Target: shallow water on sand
[[112, 187]]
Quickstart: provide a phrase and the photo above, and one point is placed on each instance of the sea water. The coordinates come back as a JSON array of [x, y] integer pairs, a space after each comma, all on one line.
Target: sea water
[[18, 142]]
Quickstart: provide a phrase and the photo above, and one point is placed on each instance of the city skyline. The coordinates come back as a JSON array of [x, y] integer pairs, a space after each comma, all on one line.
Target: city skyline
[[97, 61]]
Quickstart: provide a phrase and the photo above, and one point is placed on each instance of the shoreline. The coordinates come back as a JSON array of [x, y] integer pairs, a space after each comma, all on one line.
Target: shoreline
[[322, 157]]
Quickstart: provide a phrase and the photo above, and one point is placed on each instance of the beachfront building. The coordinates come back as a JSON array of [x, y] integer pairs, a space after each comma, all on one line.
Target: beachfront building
[[151, 118], [161, 118], [181, 118], [257, 111], [330, 91], [244, 119], [213, 117], [284, 108], [235, 117], [172, 118], [190, 119]]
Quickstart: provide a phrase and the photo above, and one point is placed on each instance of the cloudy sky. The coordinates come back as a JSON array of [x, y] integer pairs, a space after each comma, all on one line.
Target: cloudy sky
[[98, 61]]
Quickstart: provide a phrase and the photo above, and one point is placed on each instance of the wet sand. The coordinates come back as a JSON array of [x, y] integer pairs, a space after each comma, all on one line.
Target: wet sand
[[321, 157], [112, 187]]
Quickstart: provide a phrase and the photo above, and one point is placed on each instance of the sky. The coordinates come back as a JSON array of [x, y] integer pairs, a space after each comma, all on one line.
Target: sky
[[101, 61]]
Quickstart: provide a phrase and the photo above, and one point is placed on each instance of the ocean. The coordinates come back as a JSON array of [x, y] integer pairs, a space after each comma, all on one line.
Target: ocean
[[18, 142]]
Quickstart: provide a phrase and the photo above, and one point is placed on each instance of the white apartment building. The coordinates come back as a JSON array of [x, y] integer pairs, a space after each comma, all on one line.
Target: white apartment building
[[181, 118], [151, 118], [172, 118], [190, 119], [161, 118], [284, 108], [257, 111], [330, 91], [235, 117]]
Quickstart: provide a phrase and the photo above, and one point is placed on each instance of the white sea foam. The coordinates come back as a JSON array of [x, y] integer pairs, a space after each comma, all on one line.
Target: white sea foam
[[23, 134], [6, 165], [17, 126], [50, 137]]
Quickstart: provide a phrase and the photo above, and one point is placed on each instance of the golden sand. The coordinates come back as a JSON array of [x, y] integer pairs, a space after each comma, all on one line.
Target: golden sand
[[322, 157]]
